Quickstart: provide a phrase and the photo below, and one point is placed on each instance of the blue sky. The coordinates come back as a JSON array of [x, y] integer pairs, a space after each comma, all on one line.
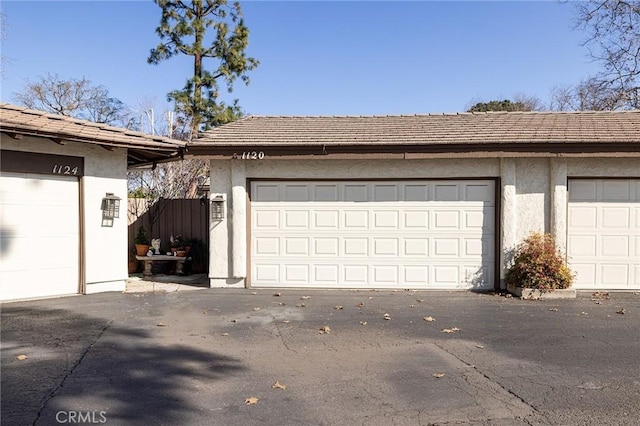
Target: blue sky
[[317, 58]]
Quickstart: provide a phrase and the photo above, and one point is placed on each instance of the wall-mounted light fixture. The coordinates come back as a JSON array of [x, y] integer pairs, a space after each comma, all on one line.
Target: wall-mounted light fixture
[[110, 206], [217, 206]]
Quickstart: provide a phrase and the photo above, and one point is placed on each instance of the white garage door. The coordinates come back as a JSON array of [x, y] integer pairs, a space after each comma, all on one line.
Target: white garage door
[[39, 225], [603, 244], [379, 234]]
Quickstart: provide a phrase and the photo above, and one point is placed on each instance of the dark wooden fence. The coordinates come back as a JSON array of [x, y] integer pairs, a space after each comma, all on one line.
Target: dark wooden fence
[[188, 218]]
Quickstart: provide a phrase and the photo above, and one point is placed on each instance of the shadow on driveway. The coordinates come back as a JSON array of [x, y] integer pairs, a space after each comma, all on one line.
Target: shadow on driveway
[[78, 363]]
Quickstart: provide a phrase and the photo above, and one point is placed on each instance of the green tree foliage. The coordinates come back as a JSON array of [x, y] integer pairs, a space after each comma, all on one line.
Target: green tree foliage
[[205, 29], [613, 28], [78, 98], [505, 105]]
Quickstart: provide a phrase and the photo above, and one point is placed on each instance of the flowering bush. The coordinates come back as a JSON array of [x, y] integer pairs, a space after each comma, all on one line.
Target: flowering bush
[[538, 264]]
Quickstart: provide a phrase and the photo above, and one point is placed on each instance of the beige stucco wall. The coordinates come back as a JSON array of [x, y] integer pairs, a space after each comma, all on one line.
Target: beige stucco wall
[[533, 194], [104, 171]]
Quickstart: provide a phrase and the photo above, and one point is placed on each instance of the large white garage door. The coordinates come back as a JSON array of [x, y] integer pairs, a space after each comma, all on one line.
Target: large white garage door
[[379, 234], [39, 226], [603, 244]]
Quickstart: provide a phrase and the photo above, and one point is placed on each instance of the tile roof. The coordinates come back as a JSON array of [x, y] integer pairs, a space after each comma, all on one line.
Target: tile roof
[[620, 127], [142, 148]]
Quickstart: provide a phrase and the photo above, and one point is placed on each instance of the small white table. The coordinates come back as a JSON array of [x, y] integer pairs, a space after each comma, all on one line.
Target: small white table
[[148, 261]]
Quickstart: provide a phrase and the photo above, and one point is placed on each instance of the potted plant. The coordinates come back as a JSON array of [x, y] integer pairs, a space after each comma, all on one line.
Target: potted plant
[[539, 270], [133, 262], [177, 243], [142, 242]]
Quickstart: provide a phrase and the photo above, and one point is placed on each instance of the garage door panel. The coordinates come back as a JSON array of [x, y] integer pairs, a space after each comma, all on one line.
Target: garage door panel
[[356, 219], [582, 245], [296, 193], [415, 247], [585, 274], [42, 212], [356, 246], [616, 217], [603, 233], [356, 192], [614, 275], [383, 193], [581, 216], [269, 219], [417, 192], [616, 190], [614, 246], [326, 246], [417, 275], [416, 219], [373, 234], [447, 192], [385, 219], [326, 219], [479, 192], [446, 219]]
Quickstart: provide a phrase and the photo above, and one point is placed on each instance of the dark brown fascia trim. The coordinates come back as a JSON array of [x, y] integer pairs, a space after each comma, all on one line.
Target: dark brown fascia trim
[[12, 135], [419, 151]]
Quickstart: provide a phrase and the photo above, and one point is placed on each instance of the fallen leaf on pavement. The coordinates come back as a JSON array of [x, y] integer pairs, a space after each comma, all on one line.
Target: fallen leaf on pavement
[[278, 385], [450, 330], [21, 357], [325, 329], [622, 311], [429, 319], [438, 375], [251, 400]]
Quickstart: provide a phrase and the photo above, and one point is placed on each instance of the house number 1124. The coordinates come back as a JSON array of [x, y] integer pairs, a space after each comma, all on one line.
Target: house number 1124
[[64, 170], [249, 155]]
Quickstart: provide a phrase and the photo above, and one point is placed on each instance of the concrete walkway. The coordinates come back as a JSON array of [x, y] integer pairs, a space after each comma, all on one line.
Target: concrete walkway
[[166, 283]]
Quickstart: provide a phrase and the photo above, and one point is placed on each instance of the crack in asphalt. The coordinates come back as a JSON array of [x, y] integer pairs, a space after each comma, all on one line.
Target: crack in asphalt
[[509, 391], [53, 393], [279, 334]]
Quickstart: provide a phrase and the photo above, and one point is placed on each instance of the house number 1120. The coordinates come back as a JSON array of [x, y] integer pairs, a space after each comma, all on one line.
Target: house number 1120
[[249, 155]]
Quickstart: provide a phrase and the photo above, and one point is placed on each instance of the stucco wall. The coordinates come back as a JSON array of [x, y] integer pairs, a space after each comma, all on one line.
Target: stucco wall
[[533, 194], [104, 171]]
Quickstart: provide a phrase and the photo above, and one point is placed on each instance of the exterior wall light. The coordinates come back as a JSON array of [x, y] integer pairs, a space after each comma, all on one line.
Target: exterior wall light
[[217, 206], [110, 206]]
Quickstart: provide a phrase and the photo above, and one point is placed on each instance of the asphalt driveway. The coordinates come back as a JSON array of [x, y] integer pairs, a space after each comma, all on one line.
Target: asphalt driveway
[[289, 357]]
